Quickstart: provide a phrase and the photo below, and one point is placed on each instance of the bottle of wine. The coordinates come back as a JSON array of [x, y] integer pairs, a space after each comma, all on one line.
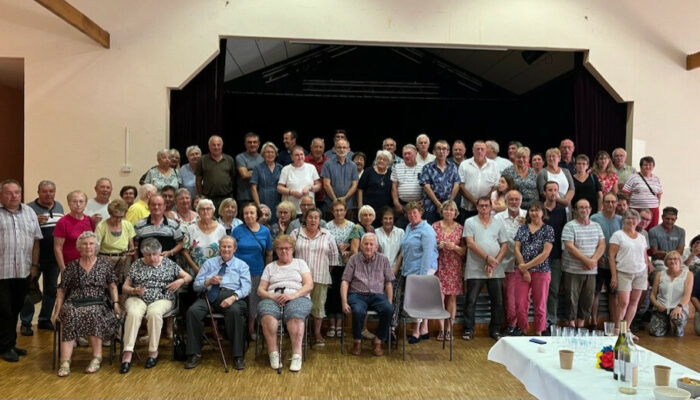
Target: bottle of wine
[[616, 349]]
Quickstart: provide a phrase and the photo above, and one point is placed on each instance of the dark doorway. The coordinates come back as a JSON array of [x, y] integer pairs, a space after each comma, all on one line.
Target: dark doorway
[[12, 119]]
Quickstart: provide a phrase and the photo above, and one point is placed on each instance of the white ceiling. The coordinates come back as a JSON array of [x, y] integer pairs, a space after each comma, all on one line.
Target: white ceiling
[[12, 72], [505, 68]]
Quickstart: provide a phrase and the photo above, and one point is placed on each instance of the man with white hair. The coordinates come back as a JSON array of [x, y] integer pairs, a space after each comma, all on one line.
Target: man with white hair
[[367, 286], [492, 149], [389, 144], [97, 207], [423, 145], [139, 210], [479, 175], [215, 172], [405, 186], [623, 170], [566, 148]]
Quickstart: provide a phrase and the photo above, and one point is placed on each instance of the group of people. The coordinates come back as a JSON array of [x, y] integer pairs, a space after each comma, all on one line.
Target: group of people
[[324, 233]]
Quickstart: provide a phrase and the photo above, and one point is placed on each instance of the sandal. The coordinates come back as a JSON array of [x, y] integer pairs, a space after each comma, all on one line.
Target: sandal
[[440, 336], [64, 369], [448, 336], [94, 365], [330, 333], [338, 331]]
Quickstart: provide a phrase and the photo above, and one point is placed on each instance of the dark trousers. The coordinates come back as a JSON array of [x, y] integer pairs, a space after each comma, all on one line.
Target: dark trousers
[[12, 294], [360, 303], [234, 320], [431, 216], [50, 274], [495, 288]]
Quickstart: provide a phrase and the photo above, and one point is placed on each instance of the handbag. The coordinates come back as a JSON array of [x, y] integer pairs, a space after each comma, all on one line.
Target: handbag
[[179, 350]]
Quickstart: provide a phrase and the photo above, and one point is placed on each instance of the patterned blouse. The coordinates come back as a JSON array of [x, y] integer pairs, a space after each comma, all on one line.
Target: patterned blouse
[[157, 179], [154, 279], [341, 235], [527, 185], [532, 244], [441, 182], [319, 252], [608, 182]]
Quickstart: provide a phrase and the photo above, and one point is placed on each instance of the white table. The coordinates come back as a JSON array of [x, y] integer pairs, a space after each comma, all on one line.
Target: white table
[[543, 378]]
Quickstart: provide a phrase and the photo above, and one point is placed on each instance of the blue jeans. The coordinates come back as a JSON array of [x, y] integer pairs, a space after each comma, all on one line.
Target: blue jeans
[[360, 303], [50, 275]]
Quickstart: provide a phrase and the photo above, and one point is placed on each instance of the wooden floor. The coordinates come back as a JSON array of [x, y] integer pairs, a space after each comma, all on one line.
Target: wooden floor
[[426, 373]]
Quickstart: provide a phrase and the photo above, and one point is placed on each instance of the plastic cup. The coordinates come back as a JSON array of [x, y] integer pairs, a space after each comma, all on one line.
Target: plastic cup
[[566, 359], [662, 374]]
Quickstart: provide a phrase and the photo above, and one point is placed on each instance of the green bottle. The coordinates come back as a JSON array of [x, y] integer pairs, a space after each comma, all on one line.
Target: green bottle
[[616, 350]]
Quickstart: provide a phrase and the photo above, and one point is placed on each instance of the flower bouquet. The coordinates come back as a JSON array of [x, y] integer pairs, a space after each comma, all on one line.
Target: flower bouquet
[[604, 358]]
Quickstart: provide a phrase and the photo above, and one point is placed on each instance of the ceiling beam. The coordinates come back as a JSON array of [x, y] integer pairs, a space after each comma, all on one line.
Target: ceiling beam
[[79, 20], [692, 61]]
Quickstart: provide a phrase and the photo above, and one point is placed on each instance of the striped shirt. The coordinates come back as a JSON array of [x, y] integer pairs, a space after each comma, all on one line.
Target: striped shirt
[[368, 275], [409, 188], [18, 231], [639, 193], [168, 233], [319, 252], [585, 238]]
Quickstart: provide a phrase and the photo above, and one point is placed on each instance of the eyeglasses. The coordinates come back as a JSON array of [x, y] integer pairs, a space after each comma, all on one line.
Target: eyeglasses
[[284, 249], [483, 205]]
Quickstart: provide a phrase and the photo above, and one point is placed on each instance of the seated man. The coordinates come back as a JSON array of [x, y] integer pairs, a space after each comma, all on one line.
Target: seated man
[[226, 280], [367, 277], [666, 237]]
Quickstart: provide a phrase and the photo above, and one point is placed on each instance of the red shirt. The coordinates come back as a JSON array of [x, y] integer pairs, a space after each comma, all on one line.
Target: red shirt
[[309, 160]]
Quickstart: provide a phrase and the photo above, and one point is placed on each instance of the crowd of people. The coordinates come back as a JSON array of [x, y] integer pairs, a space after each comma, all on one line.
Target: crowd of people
[[290, 236]]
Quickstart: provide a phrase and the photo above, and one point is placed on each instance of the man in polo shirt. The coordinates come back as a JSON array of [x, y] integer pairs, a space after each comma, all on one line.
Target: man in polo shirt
[[139, 210], [440, 180], [158, 226], [479, 176], [584, 244], [405, 184], [246, 162], [367, 286], [19, 258], [48, 212], [666, 237], [340, 134], [317, 159], [215, 172], [97, 207], [340, 176]]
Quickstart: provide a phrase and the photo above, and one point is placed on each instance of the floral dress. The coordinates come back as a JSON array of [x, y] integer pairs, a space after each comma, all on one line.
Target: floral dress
[[86, 310], [607, 182], [449, 270], [207, 244]]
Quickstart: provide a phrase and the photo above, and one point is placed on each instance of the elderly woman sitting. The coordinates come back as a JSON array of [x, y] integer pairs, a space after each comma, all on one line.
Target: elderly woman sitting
[[83, 305], [670, 296], [163, 174], [150, 285], [286, 283]]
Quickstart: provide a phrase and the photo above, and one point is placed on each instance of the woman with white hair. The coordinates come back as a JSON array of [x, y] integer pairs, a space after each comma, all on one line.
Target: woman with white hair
[[84, 302], [193, 153], [163, 174], [524, 176], [374, 187], [151, 284], [263, 183], [202, 238]]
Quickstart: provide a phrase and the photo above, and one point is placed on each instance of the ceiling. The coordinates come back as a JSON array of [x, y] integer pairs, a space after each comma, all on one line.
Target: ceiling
[[12, 72], [507, 69]]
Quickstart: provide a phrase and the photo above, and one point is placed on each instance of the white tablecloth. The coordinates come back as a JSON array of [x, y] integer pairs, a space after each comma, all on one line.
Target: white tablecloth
[[543, 378]]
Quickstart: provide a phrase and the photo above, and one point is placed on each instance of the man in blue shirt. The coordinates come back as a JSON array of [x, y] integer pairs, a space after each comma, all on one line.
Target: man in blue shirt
[[226, 282], [610, 223], [440, 180]]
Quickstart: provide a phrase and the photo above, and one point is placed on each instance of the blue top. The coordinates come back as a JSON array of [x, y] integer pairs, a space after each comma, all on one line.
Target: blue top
[[236, 278], [266, 181], [441, 182], [532, 244], [419, 249], [609, 227], [188, 180], [341, 176], [331, 154], [252, 246]]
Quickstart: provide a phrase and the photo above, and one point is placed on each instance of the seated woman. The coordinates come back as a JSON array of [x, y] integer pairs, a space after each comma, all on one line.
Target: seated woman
[[286, 282], [670, 296], [227, 215], [150, 285], [82, 304]]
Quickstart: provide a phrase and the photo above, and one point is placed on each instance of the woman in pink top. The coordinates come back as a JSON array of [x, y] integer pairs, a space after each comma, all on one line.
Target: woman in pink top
[[69, 227]]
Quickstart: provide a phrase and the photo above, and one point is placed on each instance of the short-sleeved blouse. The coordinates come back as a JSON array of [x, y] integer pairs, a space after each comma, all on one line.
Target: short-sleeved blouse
[[640, 195], [252, 246], [532, 244], [207, 244], [527, 186], [287, 276], [266, 182], [607, 182], [154, 279], [341, 235], [157, 179]]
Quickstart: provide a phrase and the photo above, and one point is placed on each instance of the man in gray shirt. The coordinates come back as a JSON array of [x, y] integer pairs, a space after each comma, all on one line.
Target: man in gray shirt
[[666, 237], [245, 163], [340, 176], [583, 243]]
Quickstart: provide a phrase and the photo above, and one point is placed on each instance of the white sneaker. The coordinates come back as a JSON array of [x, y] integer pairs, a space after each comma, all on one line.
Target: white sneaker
[[295, 366], [275, 360]]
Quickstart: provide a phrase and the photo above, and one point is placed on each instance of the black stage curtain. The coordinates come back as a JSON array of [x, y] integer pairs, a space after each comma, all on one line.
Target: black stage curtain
[[196, 110], [599, 121]]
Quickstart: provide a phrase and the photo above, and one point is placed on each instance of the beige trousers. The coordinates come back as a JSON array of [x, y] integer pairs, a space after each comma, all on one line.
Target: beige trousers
[[135, 311]]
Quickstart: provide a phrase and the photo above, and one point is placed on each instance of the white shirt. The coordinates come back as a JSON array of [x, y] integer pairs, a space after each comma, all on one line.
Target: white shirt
[[511, 226], [478, 180], [502, 163], [631, 256], [296, 178], [422, 161], [93, 207], [389, 245]]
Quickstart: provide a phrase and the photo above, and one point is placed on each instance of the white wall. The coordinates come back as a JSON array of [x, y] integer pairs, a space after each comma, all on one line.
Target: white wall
[[80, 97]]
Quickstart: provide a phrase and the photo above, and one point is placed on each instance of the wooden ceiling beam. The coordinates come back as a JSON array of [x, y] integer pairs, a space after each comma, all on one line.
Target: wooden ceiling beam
[[692, 61], [79, 20]]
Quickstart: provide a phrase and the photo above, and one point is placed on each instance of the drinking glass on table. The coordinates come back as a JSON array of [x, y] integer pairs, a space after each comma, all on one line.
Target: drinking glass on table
[[609, 328]]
